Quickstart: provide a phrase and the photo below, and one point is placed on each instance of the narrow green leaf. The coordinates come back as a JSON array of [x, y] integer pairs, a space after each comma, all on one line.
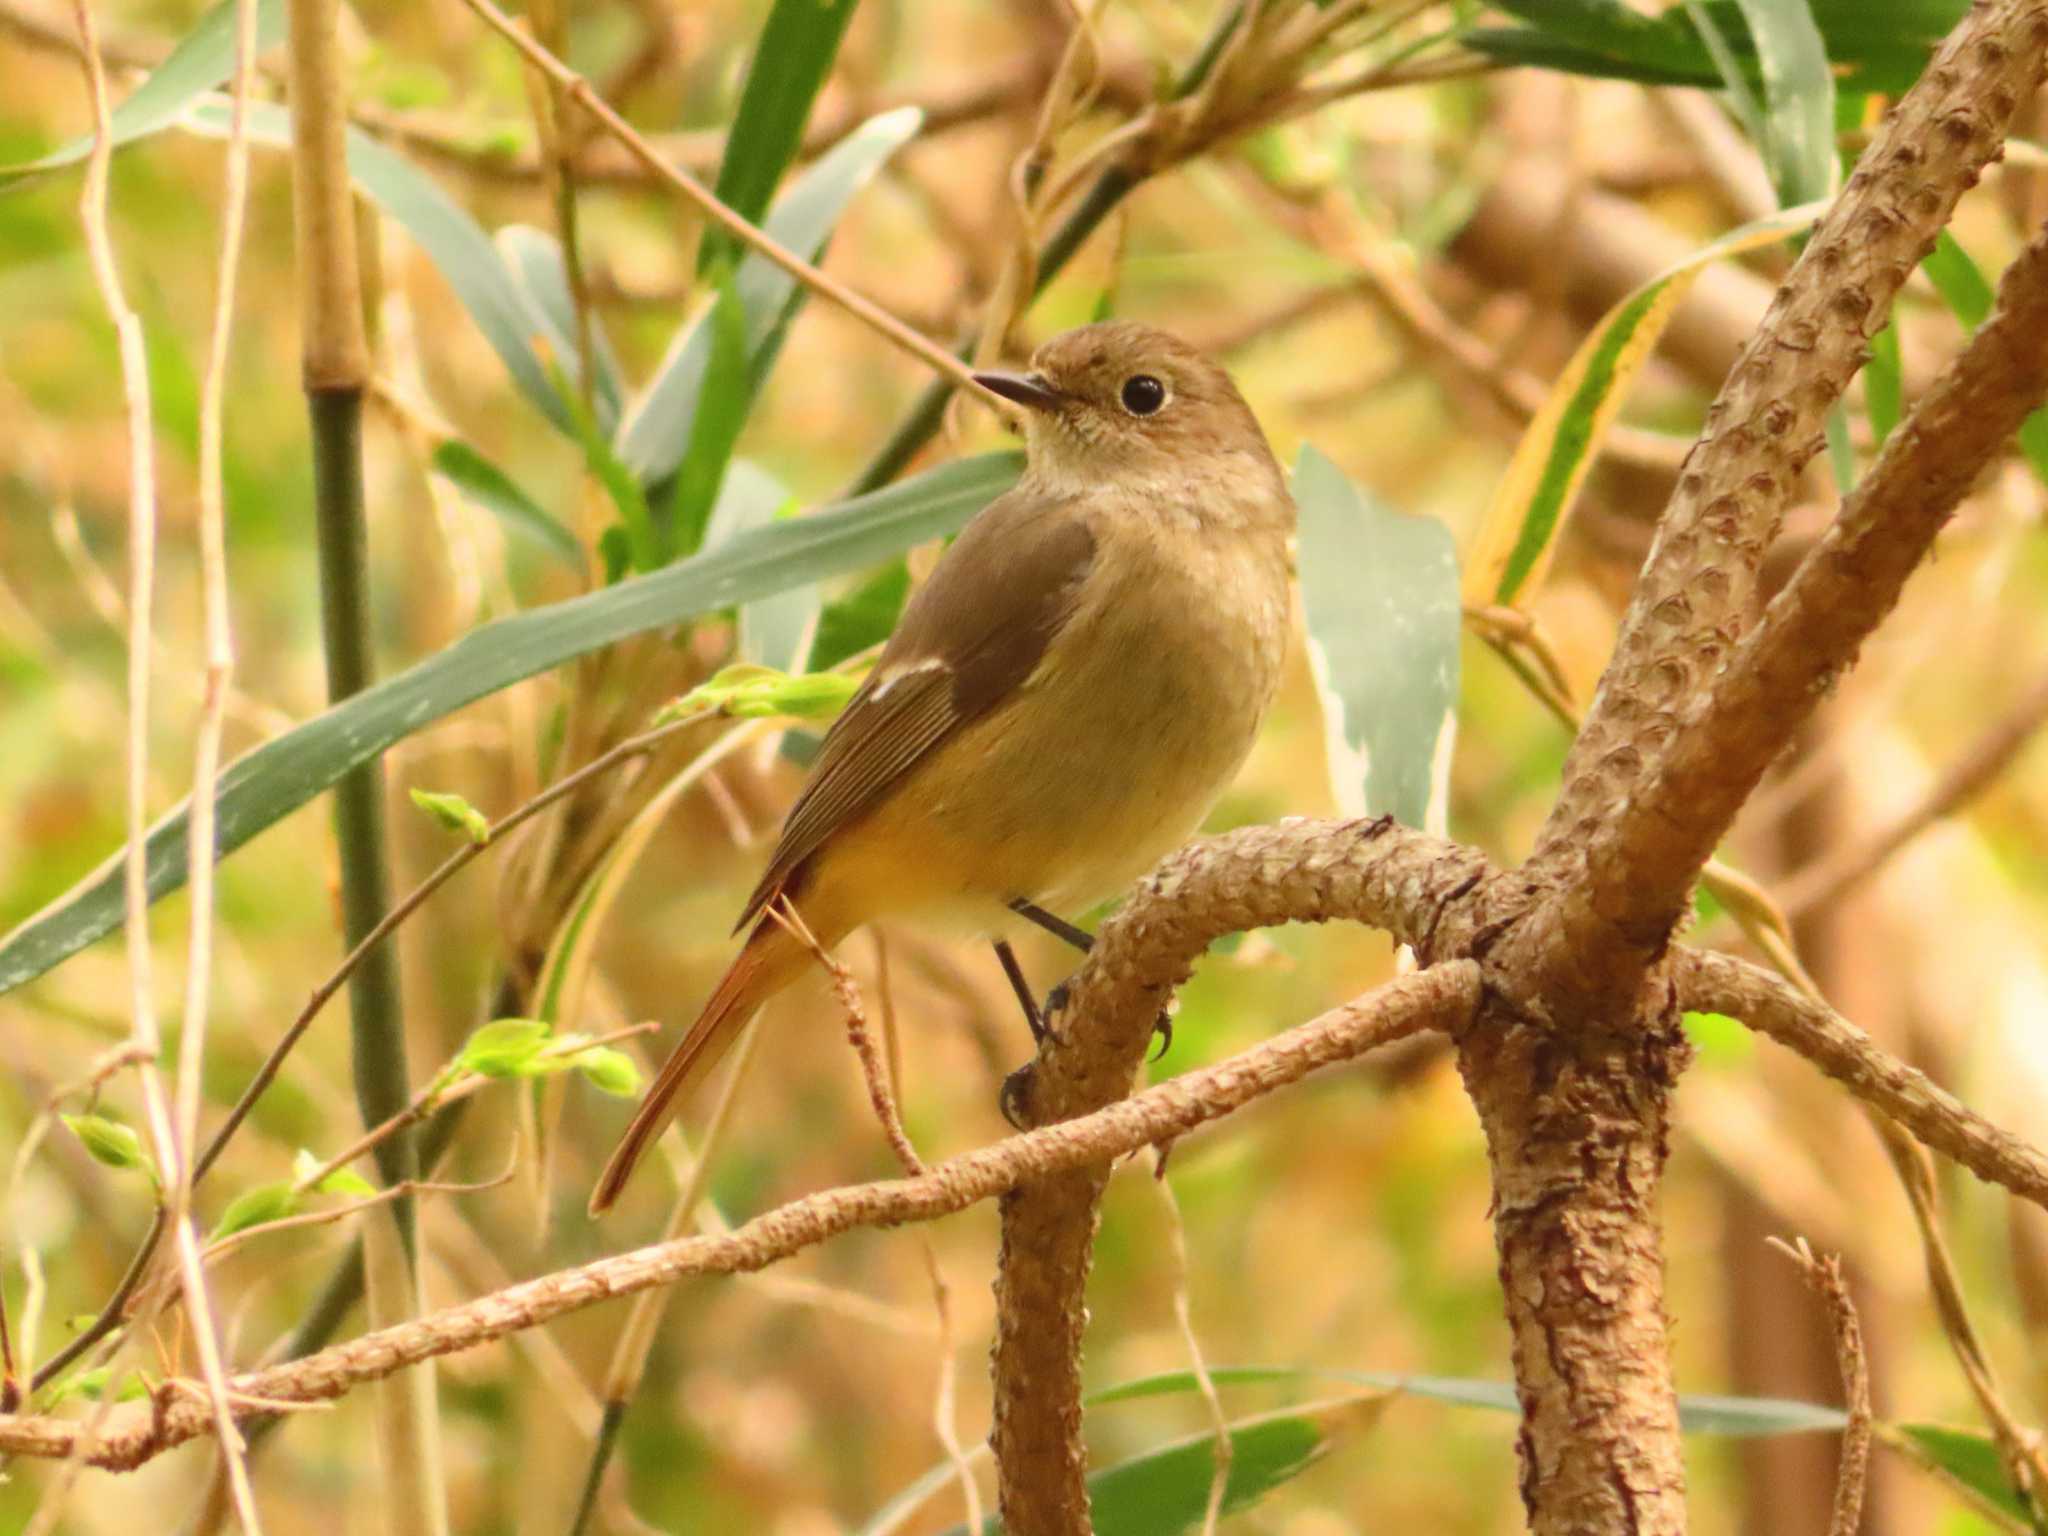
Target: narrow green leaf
[[343, 1181], [1970, 296], [534, 258], [253, 1207], [504, 1047], [1972, 1460], [773, 630], [454, 813], [1165, 1492], [1883, 385], [202, 61], [722, 404], [459, 249], [656, 431], [790, 64], [283, 774], [1698, 1414], [1612, 31], [1380, 592], [644, 542], [492, 489], [863, 617], [110, 1142], [609, 1071], [1799, 98]]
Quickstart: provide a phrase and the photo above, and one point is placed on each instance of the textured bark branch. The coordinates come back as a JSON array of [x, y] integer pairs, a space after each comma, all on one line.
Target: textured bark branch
[[1697, 593], [1435, 998], [1717, 983], [1640, 864], [1299, 871]]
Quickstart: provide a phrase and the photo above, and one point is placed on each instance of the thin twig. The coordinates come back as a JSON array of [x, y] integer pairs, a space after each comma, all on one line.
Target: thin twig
[[171, 1156], [1177, 1238], [1440, 997], [784, 911], [1961, 782], [874, 316], [1825, 1277]]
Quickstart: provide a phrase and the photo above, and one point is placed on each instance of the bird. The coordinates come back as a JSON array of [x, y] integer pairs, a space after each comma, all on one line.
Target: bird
[[1062, 701]]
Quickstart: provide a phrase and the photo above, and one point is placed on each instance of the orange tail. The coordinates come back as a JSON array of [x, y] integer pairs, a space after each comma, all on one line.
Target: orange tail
[[768, 963]]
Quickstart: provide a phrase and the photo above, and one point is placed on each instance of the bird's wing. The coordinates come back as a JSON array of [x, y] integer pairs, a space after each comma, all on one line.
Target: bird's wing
[[968, 639]]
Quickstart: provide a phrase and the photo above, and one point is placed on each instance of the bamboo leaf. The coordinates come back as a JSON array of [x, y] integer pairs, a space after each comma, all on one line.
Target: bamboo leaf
[[283, 774], [253, 1207], [722, 403], [200, 63], [1799, 98], [1970, 297], [656, 431], [1972, 1460], [456, 244], [534, 258], [1380, 591], [477, 478], [790, 64], [1520, 530]]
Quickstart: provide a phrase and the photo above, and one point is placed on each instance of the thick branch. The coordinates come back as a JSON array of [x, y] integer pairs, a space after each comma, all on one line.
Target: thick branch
[[1643, 861], [1300, 871], [1717, 983], [1436, 998], [1698, 589]]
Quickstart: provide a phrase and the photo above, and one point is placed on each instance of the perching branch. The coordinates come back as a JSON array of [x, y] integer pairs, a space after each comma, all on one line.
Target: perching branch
[[1619, 866], [1432, 999]]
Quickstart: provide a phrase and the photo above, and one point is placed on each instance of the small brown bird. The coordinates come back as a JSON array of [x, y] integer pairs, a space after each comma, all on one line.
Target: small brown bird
[[1063, 700]]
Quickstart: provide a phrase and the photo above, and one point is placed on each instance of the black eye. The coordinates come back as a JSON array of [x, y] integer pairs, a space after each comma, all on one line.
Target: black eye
[[1143, 394]]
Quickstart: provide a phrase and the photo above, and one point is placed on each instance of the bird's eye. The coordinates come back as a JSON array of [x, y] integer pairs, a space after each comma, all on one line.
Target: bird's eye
[[1143, 394]]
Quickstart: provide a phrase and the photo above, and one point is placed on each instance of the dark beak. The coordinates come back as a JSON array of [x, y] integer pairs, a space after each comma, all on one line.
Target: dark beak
[[1030, 390]]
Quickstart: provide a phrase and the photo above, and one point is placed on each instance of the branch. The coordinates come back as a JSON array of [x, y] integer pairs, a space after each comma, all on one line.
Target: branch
[[1300, 871], [1699, 585], [1961, 782], [1435, 998], [1824, 1276], [1718, 983], [1641, 862]]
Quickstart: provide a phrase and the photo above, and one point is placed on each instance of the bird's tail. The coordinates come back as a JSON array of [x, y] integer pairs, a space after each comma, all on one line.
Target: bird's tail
[[771, 960]]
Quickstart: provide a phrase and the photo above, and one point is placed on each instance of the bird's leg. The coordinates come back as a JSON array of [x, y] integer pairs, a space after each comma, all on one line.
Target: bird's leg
[[1056, 999], [1022, 988], [1058, 927]]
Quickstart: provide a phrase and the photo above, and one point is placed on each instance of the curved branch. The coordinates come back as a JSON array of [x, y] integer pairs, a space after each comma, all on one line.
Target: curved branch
[[1719, 983], [1299, 871], [1435, 998], [1698, 589]]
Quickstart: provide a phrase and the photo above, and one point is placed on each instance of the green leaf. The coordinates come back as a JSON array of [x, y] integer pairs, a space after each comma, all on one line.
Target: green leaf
[[459, 249], [790, 64], [656, 431], [1164, 1492], [454, 813], [1380, 591], [1698, 1414], [722, 404], [1799, 98], [253, 1207], [110, 1142], [773, 630], [643, 541], [864, 617], [91, 1384], [283, 774], [343, 1181], [1720, 1040], [1970, 297], [609, 1071], [201, 62], [535, 259], [1972, 1460], [1883, 385], [750, 692], [493, 490], [504, 1048]]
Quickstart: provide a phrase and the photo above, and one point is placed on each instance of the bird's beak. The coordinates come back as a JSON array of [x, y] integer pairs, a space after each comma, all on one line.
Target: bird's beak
[[1030, 390]]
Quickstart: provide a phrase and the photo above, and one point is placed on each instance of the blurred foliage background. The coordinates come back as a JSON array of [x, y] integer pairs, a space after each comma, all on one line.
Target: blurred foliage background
[[1395, 277]]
